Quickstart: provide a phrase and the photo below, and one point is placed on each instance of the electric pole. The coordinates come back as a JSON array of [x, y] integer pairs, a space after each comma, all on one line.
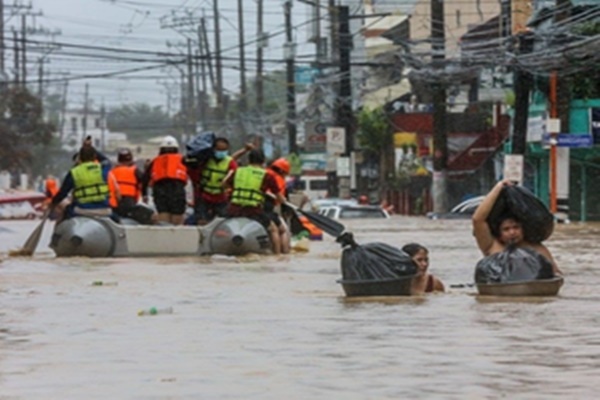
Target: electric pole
[[41, 80], [24, 49], [17, 57], [243, 91], [440, 135], [85, 109], [190, 111], [259, 57], [522, 87], [290, 81], [218, 63], [2, 66], [206, 52]]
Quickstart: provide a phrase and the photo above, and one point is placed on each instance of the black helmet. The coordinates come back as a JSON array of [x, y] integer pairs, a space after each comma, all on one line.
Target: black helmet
[[125, 156]]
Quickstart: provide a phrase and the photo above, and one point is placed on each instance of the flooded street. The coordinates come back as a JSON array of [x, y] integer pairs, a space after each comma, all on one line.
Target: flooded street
[[280, 328]]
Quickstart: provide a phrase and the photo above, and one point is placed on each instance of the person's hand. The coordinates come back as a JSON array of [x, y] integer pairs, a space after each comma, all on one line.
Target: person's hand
[[145, 199], [87, 142], [249, 146]]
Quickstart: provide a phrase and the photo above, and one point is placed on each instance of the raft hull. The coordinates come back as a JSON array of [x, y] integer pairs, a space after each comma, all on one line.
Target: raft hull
[[102, 237], [545, 287], [387, 287]]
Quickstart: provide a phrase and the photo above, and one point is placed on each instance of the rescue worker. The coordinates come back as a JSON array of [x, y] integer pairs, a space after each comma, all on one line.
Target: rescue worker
[[279, 168], [210, 196], [128, 179], [168, 177], [250, 184], [88, 182], [50, 186]]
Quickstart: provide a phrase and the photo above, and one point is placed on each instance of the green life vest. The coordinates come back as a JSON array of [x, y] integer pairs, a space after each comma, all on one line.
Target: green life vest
[[247, 187], [90, 186], [213, 174]]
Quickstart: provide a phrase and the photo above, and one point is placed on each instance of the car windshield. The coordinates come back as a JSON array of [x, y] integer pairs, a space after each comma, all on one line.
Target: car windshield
[[361, 213]]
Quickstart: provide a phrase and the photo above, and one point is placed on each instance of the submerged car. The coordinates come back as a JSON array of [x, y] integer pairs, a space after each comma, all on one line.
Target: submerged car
[[463, 210], [353, 211]]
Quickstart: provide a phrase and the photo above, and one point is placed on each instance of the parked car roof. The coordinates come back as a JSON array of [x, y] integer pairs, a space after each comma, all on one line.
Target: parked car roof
[[354, 211], [462, 210]]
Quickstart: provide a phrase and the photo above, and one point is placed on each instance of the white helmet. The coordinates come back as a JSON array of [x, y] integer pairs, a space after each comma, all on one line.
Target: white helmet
[[169, 141]]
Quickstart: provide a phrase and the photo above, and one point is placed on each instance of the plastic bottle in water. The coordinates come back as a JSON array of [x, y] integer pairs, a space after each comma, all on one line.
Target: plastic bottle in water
[[155, 311], [104, 283]]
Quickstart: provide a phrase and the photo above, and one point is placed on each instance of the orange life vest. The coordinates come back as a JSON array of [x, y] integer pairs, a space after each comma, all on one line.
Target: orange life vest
[[51, 187], [314, 232], [124, 175], [280, 180], [168, 166]]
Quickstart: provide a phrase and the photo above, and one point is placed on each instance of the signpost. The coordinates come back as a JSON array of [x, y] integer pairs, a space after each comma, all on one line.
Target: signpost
[[569, 140], [595, 124], [513, 167]]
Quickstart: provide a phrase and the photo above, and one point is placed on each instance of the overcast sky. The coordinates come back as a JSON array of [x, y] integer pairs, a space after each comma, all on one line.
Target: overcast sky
[[136, 25]]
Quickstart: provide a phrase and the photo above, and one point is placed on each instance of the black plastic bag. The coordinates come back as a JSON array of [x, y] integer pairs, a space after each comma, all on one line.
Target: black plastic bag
[[373, 261], [536, 219], [515, 264], [200, 148]]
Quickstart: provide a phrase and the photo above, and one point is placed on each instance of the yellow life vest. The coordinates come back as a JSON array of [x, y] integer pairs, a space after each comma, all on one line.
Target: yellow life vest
[[247, 187], [90, 186], [213, 174]]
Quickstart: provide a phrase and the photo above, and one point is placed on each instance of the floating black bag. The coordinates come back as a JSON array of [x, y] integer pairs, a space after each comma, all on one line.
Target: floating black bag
[[373, 261], [515, 264], [536, 219]]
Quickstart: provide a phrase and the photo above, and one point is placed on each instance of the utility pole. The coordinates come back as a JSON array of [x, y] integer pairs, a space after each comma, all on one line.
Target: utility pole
[[17, 57], [332, 178], [218, 63], [85, 109], [259, 58], [24, 49], [440, 135], [103, 127], [190, 111], [41, 80], [206, 52], [2, 66], [243, 91], [290, 80], [522, 86]]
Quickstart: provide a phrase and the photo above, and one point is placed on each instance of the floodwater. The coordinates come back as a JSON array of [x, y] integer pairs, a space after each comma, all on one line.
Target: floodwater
[[269, 328]]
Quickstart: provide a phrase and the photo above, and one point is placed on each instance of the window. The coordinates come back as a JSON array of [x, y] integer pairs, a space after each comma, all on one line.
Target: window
[[318, 184], [457, 17], [97, 122], [74, 124], [331, 212]]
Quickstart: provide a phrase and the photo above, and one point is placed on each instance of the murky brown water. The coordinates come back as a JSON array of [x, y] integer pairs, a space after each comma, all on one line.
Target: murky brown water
[[263, 328]]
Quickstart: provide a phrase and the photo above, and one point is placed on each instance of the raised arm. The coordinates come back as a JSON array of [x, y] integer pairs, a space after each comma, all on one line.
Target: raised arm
[[481, 229], [238, 154]]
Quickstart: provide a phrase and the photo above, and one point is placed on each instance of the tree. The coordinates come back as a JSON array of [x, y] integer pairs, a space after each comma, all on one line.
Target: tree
[[140, 121], [21, 128], [586, 84], [375, 137]]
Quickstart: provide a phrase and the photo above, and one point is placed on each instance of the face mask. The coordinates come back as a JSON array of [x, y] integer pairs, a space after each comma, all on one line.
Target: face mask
[[219, 155]]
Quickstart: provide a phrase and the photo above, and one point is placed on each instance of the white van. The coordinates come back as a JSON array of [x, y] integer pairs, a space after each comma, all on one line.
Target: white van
[[315, 187]]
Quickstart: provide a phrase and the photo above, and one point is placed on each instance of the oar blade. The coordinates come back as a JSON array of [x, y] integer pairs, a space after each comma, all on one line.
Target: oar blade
[[326, 224], [32, 241]]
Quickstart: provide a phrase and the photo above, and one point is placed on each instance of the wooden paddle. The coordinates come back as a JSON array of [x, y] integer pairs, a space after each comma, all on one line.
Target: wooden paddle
[[32, 241]]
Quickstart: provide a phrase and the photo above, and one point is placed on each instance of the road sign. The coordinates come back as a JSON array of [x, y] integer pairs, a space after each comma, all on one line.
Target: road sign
[[343, 166], [336, 140], [513, 167], [570, 140]]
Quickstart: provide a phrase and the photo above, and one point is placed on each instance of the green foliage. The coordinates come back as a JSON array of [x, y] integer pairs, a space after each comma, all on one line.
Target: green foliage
[[140, 121], [374, 130], [21, 128], [586, 84]]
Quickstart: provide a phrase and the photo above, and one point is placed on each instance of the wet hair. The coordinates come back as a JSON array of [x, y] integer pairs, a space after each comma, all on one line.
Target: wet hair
[[495, 225], [221, 139], [87, 154], [256, 156], [413, 248]]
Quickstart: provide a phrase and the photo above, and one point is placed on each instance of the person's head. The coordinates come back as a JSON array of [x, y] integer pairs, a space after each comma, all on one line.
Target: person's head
[[508, 230], [419, 255], [363, 199], [221, 148], [124, 156], [281, 166], [169, 145], [256, 157], [87, 154]]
